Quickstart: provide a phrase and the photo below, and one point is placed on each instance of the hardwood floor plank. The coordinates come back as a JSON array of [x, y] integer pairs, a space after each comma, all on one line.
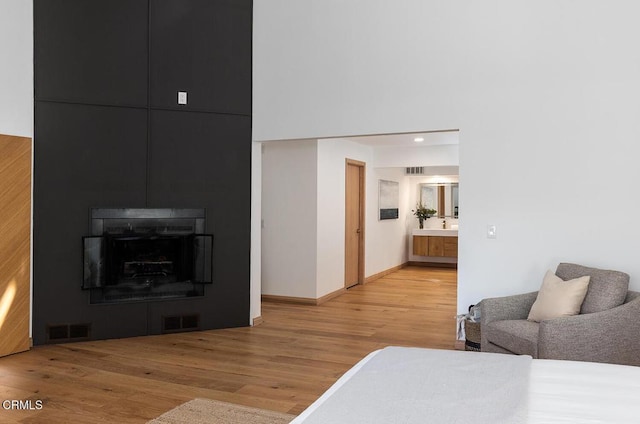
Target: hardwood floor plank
[[284, 364]]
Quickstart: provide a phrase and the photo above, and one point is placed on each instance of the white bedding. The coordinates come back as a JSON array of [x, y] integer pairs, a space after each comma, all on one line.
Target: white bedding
[[554, 392], [583, 393]]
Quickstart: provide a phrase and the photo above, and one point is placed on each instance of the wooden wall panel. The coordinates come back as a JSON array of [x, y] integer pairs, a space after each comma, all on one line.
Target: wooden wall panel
[[15, 230]]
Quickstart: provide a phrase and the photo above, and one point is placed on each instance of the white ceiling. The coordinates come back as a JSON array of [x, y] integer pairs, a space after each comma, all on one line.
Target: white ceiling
[[407, 139]]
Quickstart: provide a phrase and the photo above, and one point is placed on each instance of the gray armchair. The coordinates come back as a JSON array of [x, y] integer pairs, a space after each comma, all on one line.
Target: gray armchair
[[606, 330]]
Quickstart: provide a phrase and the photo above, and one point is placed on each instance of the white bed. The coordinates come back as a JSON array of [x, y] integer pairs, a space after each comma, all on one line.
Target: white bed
[[411, 385]]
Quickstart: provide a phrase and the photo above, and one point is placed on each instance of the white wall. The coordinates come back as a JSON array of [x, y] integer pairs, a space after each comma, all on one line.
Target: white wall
[[332, 155], [353, 67], [16, 70], [295, 246], [289, 212], [402, 156], [544, 94], [255, 309], [386, 240]]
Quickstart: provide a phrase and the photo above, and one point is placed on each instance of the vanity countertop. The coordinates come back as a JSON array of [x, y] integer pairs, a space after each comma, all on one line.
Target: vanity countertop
[[434, 232]]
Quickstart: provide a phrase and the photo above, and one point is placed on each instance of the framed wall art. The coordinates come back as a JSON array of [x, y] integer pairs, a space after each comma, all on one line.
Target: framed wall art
[[388, 199]]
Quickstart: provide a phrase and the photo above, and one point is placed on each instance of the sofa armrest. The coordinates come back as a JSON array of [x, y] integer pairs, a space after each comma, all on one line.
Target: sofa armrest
[[505, 308], [611, 336], [508, 307]]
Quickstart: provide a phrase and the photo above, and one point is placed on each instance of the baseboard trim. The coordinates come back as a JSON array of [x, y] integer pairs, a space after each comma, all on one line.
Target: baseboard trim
[[288, 299], [257, 321], [434, 264], [374, 277], [330, 296], [303, 300]]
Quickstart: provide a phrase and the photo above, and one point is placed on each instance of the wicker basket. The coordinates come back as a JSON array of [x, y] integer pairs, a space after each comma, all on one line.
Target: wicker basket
[[472, 332]]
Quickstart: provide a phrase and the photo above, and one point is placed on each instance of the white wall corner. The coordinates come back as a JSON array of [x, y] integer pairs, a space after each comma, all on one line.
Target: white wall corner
[[289, 172], [16, 71], [256, 232]]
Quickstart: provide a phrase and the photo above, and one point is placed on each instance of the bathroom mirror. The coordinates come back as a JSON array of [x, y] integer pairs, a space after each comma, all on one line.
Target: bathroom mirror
[[442, 197]]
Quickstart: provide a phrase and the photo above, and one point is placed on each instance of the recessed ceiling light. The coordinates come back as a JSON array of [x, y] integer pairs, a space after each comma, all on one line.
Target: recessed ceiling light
[[418, 139]]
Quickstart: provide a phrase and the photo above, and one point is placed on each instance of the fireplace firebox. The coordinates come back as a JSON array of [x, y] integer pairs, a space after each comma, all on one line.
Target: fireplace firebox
[[146, 254]]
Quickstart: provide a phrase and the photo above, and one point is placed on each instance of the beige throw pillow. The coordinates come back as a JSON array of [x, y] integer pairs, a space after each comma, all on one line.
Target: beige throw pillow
[[558, 298]]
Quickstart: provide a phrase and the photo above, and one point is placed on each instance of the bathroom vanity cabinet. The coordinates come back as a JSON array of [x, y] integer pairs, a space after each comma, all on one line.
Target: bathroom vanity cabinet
[[445, 245]]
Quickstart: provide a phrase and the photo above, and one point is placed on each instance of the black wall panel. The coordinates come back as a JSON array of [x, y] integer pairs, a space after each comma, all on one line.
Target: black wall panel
[[202, 47], [200, 156], [204, 160], [85, 156], [91, 51]]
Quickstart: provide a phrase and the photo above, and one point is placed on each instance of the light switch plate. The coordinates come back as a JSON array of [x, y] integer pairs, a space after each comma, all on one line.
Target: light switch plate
[[491, 231], [182, 97]]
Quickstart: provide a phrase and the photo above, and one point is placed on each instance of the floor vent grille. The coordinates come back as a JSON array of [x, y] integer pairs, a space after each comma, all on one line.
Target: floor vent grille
[[178, 323], [68, 333]]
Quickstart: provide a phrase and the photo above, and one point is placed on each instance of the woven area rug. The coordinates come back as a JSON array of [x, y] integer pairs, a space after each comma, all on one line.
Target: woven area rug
[[201, 411]]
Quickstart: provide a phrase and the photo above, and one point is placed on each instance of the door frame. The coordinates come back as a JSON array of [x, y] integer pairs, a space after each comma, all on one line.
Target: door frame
[[361, 219]]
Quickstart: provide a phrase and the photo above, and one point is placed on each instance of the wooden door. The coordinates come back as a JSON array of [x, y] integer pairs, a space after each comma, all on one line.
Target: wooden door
[[15, 230], [354, 223]]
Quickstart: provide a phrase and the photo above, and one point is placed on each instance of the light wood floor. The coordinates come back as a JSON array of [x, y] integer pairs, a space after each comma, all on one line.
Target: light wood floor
[[283, 364]]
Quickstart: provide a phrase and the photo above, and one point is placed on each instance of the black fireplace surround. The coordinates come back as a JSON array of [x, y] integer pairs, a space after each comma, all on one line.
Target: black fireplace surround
[[108, 133], [146, 254]]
